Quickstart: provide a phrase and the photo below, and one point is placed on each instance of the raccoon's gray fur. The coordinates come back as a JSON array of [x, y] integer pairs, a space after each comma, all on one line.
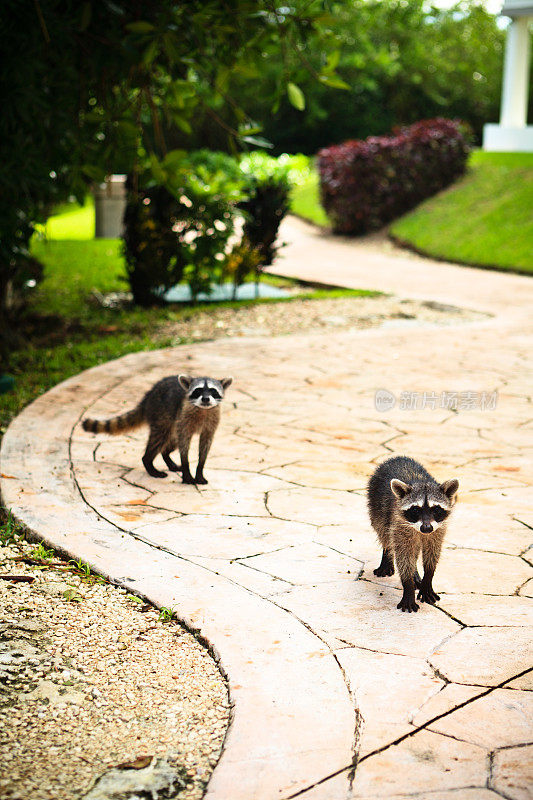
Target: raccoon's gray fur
[[409, 512], [175, 408]]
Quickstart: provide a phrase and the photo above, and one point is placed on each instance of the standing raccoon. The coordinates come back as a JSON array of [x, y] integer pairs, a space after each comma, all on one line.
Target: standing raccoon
[[409, 511], [175, 408]]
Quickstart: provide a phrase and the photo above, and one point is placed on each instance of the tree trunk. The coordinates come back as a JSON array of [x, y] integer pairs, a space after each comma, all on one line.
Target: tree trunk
[[8, 337]]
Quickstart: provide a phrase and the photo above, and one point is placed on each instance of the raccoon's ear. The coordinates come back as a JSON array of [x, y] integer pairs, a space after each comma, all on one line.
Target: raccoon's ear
[[185, 381], [450, 488], [226, 382], [399, 488]]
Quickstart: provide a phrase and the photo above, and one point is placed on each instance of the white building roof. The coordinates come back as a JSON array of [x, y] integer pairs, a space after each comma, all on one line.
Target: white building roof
[[517, 8]]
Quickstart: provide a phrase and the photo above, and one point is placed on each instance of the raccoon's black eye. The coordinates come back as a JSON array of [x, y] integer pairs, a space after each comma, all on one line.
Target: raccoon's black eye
[[196, 393], [216, 395], [412, 514], [439, 513]]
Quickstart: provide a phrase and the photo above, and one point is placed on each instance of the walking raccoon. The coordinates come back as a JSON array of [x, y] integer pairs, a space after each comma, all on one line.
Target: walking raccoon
[[409, 511], [175, 408]]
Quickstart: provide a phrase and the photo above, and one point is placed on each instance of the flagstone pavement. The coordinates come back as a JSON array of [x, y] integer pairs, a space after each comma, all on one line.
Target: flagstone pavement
[[335, 693]]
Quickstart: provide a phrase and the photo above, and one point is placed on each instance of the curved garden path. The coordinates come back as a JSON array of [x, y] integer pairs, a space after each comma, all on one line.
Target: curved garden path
[[272, 561]]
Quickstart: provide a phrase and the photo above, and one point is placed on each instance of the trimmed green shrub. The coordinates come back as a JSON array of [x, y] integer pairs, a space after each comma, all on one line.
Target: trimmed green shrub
[[268, 190], [178, 234], [180, 231], [264, 210], [365, 184]]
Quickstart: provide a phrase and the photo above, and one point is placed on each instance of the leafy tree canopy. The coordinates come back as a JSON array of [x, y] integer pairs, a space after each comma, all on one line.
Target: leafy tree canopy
[[103, 86], [402, 61]]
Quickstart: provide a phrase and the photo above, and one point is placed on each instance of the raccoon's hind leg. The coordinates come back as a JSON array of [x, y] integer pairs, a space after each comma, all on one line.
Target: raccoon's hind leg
[[386, 567], [156, 443], [173, 467]]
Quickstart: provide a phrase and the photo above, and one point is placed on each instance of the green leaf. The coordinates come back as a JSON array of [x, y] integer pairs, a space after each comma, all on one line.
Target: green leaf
[[93, 172], [150, 53], [296, 96], [140, 27], [333, 60], [128, 128], [86, 14], [334, 82], [171, 47], [158, 172], [249, 130], [182, 123], [93, 116], [257, 141], [72, 596], [174, 159]]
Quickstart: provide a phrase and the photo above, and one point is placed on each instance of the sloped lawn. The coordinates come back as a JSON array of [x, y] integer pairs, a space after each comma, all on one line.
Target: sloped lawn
[[485, 219]]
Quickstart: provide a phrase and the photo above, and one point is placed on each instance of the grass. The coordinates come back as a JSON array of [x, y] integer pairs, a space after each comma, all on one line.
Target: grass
[[74, 269], [65, 333], [71, 221], [9, 529], [167, 614], [305, 200], [41, 553], [484, 219]]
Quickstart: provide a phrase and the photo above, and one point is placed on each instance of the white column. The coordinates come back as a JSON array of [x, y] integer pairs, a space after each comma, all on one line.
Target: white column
[[516, 75], [109, 207]]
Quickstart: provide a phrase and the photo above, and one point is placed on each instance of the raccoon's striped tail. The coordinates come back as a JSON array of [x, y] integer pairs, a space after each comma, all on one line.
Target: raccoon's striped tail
[[122, 422]]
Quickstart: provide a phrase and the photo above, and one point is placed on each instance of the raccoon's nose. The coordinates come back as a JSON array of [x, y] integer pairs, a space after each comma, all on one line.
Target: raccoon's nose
[[426, 527], [205, 401]]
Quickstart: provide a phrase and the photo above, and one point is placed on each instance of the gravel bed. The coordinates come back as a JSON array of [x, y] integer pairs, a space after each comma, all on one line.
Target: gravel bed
[[299, 316], [91, 680]]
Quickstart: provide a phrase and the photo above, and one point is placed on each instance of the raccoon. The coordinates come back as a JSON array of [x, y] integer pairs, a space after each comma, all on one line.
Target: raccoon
[[175, 408], [409, 511]]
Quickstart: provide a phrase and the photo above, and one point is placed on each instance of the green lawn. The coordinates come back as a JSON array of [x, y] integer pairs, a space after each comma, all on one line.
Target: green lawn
[[73, 269], [484, 219], [71, 221], [305, 200]]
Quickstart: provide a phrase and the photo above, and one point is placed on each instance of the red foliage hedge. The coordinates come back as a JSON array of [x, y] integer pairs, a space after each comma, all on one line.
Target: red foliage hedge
[[365, 184]]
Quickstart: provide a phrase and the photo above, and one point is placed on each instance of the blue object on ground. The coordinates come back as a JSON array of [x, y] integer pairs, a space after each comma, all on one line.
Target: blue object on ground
[[182, 293], [6, 383]]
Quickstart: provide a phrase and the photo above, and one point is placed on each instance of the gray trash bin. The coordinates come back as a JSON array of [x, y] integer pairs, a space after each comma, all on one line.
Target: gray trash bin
[[109, 206]]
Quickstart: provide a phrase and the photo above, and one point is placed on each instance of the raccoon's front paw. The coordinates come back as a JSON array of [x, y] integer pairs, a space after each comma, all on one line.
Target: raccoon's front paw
[[188, 479], [156, 473], [428, 595], [151, 470], [201, 480], [384, 571], [407, 603]]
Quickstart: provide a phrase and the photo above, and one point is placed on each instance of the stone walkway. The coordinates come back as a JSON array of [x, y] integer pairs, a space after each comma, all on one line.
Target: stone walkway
[[271, 563]]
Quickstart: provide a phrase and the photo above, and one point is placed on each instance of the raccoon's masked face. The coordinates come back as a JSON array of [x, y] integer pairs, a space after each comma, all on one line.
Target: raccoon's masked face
[[425, 507], [204, 392]]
